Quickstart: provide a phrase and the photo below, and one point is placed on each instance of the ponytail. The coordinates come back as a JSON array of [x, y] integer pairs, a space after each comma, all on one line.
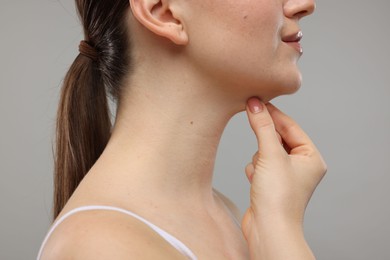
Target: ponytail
[[83, 119], [83, 128]]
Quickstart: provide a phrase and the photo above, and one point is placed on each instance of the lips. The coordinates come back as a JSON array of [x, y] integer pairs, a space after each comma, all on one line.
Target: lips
[[293, 41], [295, 37]]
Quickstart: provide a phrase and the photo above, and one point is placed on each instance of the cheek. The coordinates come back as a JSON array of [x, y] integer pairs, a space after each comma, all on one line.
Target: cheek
[[261, 32], [237, 42]]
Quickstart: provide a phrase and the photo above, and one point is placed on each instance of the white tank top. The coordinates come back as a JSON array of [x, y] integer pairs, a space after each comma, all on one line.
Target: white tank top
[[176, 243]]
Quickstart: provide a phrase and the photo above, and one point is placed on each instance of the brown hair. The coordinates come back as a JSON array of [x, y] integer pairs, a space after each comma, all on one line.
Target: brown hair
[[83, 120]]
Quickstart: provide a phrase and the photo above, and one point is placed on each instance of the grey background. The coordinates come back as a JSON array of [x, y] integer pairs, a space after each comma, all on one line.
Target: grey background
[[343, 105]]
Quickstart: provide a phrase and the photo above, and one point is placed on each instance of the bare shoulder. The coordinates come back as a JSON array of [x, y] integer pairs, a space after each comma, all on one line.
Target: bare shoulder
[[233, 208], [106, 235]]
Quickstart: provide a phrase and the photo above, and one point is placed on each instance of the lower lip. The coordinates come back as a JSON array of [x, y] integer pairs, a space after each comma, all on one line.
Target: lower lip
[[296, 45]]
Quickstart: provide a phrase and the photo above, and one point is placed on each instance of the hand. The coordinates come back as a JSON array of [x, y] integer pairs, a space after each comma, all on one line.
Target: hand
[[284, 172]]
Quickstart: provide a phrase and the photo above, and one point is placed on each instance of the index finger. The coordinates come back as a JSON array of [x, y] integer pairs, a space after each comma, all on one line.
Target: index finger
[[264, 128], [292, 134]]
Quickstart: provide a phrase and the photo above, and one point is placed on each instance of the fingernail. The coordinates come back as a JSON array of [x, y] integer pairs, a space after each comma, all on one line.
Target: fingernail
[[255, 106]]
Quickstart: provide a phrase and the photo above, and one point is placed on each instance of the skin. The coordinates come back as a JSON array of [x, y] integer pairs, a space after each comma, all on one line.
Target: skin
[[283, 175], [196, 65]]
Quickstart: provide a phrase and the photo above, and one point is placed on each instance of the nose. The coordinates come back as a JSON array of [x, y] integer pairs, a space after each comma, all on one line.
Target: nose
[[297, 9]]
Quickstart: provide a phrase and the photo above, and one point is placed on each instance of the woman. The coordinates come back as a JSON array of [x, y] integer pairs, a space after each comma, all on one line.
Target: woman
[[179, 70]]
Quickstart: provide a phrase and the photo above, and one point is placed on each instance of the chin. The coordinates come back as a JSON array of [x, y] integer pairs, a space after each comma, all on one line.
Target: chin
[[292, 87], [290, 83], [285, 85], [275, 85]]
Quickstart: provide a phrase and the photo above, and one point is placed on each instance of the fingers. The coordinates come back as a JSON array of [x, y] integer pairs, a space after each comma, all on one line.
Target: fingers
[[263, 126], [291, 133]]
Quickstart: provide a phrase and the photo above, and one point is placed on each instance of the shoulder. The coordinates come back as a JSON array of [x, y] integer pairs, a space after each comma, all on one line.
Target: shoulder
[[106, 235], [232, 207]]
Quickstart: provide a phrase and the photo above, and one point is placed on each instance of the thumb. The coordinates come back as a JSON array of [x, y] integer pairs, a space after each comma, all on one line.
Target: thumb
[[263, 126]]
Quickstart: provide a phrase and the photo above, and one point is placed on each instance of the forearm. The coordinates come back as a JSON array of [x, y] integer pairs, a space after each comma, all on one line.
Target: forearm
[[278, 240]]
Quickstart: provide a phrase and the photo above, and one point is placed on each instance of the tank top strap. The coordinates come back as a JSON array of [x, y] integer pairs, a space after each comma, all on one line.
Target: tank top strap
[[176, 243]]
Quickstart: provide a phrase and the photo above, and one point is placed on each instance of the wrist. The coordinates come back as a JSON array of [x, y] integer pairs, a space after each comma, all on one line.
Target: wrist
[[275, 226], [277, 238]]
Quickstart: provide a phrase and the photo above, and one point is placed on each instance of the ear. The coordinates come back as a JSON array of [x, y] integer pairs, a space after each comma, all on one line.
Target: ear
[[160, 18]]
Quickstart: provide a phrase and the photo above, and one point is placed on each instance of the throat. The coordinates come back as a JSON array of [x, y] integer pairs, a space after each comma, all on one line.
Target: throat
[[172, 162]]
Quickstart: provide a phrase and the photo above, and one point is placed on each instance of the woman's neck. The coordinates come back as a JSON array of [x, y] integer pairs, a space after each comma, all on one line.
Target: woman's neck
[[165, 138]]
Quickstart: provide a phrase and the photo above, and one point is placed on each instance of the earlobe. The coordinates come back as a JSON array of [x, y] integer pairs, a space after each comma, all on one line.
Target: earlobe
[[159, 17]]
